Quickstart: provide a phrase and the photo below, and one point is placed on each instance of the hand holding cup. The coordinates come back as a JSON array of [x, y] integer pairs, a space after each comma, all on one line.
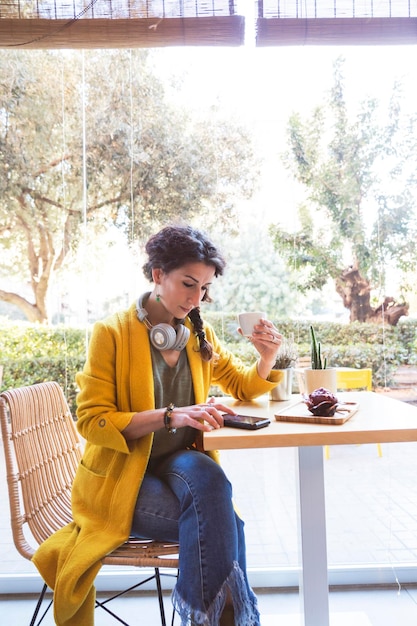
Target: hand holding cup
[[248, 320]]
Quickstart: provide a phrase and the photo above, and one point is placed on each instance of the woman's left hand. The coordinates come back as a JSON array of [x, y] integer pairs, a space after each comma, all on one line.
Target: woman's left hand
[[267, 340]]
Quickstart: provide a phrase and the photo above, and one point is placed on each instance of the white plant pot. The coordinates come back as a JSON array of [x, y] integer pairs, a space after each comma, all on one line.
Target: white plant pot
[[309, 380], [283, 390]]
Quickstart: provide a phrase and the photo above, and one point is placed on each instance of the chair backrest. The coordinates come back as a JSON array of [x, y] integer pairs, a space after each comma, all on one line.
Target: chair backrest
[[42, 450], [348, 379]]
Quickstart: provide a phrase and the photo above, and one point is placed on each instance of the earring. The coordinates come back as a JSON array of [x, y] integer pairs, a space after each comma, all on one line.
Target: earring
[[158, 297]]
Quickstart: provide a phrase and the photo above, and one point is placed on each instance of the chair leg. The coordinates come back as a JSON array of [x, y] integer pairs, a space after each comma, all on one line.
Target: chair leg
[[173, 608], [105, 608], [38, 606], [157, 577], [378, 445], [160, 597]]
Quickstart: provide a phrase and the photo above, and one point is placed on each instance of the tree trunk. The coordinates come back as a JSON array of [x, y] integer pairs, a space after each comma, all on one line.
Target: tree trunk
[[355, 292], [32, 312]]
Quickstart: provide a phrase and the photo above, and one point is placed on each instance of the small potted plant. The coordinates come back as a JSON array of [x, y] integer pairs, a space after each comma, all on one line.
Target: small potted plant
[[285, 362], [287, 354], [317, 361], [319, 375]]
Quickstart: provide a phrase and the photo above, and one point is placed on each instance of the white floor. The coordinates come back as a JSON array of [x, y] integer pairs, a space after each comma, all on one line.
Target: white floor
[[353, 607], [336, 619], [348, 607]]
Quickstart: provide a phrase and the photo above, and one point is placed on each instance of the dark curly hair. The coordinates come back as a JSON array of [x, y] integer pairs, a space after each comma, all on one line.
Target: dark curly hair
[[172, 248]]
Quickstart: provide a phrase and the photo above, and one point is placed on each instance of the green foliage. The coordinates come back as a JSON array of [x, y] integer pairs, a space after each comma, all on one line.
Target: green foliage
[[255, 275], [33, 353], [25, 371], [34, 341], [382, 359], [358, 174], [317, 361], [383, 348], [146, 161], [287, 355]]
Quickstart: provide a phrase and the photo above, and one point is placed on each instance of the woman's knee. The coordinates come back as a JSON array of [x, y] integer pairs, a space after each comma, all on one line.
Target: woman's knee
[[156, 512], [200, 472]]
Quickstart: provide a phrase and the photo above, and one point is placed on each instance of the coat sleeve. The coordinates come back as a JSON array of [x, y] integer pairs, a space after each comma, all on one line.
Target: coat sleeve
[[234, 377]]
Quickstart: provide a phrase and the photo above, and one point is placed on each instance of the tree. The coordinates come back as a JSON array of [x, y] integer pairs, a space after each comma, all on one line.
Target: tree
[[255, 277], [91, 137], [351, 170]]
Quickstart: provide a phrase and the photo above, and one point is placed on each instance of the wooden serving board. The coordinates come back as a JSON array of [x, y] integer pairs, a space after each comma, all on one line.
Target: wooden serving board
[[300, 413]]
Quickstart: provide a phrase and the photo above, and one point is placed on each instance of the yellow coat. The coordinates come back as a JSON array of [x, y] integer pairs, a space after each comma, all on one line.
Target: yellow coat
[[117, 382]]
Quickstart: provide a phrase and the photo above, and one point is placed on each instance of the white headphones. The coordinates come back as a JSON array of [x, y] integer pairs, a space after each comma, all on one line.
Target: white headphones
[[163, 336]]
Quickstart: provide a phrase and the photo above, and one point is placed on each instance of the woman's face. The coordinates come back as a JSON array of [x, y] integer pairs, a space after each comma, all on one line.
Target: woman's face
[[184, 288]]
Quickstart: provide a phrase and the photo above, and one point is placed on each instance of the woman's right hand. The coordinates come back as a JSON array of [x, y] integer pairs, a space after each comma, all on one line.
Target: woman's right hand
[[205, 417]]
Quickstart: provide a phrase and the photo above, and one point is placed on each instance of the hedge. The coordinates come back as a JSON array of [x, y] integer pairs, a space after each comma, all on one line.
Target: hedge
[[31, 353]]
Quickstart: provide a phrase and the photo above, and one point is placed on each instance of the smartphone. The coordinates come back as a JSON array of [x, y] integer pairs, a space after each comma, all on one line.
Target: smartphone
[[245, 421]]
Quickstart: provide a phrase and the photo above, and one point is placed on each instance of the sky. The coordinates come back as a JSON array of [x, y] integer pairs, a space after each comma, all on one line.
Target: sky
[[279, 78], [263, 86]]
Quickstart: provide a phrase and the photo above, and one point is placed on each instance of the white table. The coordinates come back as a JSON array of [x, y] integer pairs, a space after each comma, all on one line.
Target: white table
[[378, 420]]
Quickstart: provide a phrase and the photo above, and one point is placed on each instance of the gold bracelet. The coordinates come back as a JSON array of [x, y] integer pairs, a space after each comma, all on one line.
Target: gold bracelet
[[167, 419]]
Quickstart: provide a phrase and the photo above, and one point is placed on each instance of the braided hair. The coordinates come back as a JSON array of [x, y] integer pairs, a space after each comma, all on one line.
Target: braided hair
[[206, 349], [175, 246]]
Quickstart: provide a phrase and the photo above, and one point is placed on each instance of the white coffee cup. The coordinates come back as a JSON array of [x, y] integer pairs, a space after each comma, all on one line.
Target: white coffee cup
[[248, 320]]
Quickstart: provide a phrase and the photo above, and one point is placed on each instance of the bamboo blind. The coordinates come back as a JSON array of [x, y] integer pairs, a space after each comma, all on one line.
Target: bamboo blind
[[158, 23], [336, 31], [119, 23], [336, 8], [336, 22]]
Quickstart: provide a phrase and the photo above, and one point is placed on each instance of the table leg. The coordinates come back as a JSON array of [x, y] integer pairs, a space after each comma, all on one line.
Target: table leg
[[314, 588]]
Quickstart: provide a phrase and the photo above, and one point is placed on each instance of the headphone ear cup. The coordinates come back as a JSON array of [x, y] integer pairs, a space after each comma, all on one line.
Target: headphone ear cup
[[182, 336], [163, 336]]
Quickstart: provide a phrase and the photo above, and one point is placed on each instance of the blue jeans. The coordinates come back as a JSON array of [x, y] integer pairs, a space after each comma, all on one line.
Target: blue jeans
[[189, 499]]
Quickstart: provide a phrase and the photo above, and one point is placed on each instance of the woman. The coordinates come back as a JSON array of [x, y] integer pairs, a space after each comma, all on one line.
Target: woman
[[142, 409]]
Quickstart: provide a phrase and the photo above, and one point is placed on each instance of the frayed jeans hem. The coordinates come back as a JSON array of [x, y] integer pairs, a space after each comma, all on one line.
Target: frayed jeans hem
[[244, 604]]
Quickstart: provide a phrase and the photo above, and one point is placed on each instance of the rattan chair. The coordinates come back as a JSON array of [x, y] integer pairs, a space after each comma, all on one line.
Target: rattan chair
[[42, 450]]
